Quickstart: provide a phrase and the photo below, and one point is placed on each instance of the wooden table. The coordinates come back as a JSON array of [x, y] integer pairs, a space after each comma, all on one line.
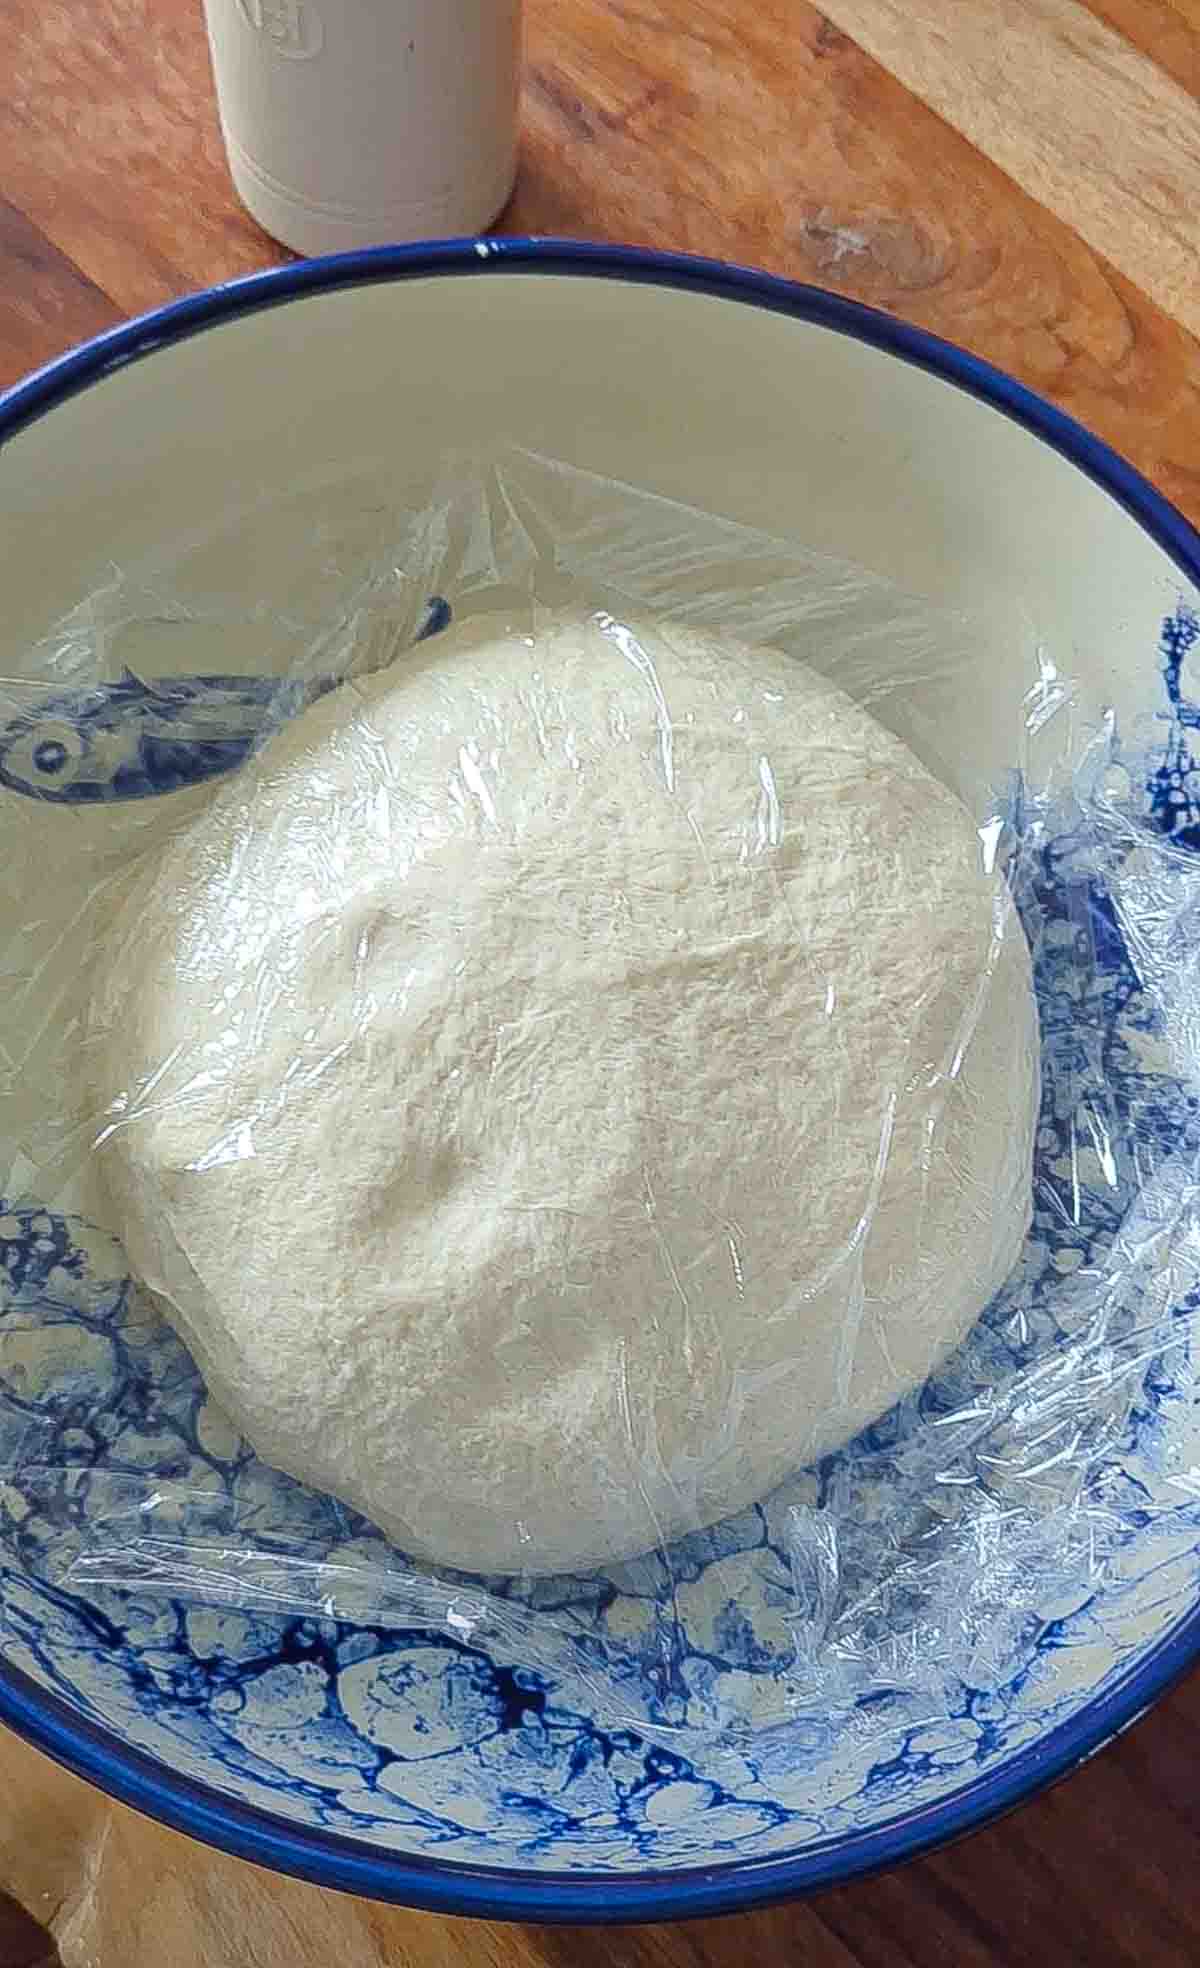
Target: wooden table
[[1020, 175]]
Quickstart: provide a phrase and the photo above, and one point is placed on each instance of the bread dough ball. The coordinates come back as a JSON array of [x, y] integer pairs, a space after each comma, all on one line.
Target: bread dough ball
[[566, 1083]]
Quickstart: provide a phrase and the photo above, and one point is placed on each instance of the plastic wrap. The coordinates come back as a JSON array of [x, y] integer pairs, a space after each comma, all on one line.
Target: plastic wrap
[[903, 1541]]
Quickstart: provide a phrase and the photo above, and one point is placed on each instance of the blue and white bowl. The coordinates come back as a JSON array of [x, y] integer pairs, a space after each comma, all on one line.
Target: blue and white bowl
[[403, 1762]]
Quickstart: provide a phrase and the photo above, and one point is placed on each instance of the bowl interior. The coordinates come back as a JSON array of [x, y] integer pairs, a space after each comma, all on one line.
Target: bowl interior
[[253, 461]]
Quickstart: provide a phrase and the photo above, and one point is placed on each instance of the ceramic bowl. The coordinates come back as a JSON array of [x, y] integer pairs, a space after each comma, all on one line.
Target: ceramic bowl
[[246, 425]]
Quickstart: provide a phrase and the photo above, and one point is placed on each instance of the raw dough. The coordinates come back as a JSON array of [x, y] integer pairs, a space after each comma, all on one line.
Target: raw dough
[[565, 1084]]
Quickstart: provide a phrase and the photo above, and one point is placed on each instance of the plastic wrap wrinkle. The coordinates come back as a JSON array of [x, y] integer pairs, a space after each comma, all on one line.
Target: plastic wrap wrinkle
[[916, 1560]]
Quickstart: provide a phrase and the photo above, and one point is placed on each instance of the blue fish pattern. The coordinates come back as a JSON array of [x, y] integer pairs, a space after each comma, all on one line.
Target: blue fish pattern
[[135, 739]]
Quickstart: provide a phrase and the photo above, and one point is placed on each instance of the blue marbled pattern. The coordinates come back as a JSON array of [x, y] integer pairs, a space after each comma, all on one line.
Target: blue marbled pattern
[[1174, 789], [418, 1740]]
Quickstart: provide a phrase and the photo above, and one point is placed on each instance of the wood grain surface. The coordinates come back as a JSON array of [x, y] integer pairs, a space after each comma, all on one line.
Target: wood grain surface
[[1022, 176], [1091, 127]]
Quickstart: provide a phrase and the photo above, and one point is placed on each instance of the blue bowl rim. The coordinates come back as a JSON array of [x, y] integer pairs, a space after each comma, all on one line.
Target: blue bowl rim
[[501, 1892]]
